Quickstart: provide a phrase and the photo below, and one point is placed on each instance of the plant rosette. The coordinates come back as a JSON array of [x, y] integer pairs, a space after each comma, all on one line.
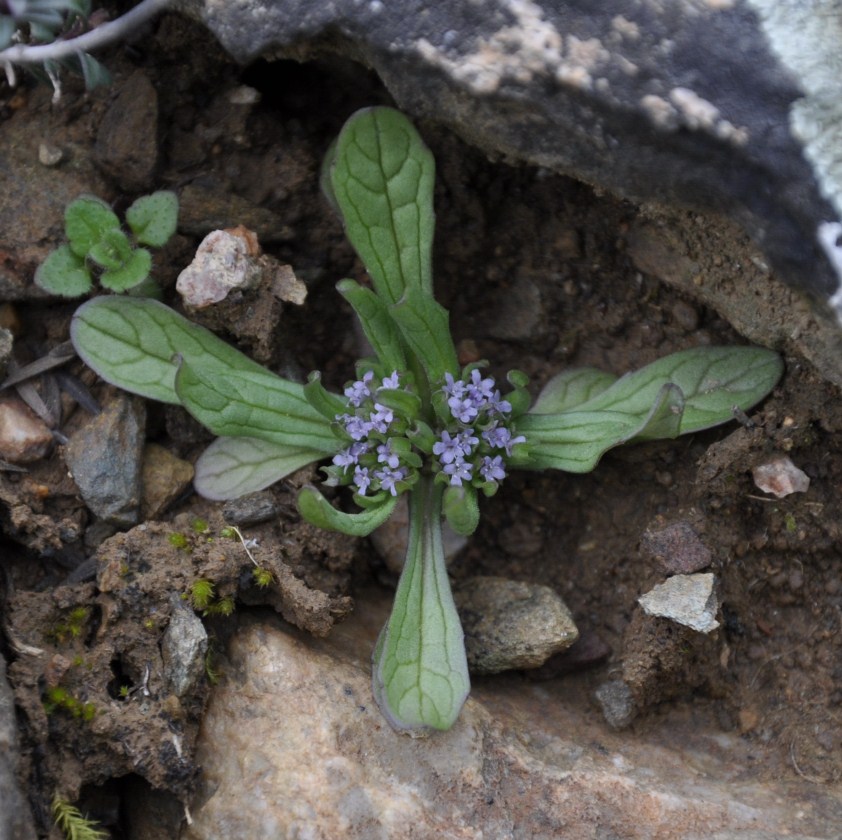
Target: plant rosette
[[412, 421]]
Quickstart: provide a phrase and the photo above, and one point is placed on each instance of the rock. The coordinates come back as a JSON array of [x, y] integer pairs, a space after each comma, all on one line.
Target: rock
[[225, 260], [297, 733], [127, 140], [105, 458], [677, 548], [7, 342], [617, 703], [780, 477], [721, 106], [164, 479], [183, 648], [689, 600], [251, 509], [24, 437], [509, 624], [15, 816], [589, 650]]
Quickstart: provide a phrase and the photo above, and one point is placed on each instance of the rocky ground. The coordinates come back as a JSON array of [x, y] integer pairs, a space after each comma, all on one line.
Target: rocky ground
[[111, 660]]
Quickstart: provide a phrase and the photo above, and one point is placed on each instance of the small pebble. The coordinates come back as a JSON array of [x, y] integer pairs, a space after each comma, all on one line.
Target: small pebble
[[510, 624], [689, 600], [251, 509], [780, 477], [49, 155], [617, 704], [24, 437], [677, 548]]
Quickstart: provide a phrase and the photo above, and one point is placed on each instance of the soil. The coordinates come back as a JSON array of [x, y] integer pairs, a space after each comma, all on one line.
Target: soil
[[535, 271]]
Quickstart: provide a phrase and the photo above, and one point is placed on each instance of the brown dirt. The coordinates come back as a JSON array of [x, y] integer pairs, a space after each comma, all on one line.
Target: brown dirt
[[535, 271]]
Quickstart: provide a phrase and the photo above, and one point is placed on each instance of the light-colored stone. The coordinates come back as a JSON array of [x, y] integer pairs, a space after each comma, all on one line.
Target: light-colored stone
[[165, 477], [686, 599], [24, 437], [511, 624], [293, 746], [780, 477]]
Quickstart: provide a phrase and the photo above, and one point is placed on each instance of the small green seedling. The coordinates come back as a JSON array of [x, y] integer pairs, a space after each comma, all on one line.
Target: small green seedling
[[98, 246], [203, 597], [58, 697], [72, 627], [412, 421], [72, 824]]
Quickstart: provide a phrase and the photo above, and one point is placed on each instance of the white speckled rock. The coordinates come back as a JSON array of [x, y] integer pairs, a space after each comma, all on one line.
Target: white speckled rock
[[686, 599], [292, 746]]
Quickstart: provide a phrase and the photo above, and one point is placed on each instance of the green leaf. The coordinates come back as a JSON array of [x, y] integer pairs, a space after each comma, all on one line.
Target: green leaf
[[315, 508], [85, 222], [420, 675], [94, 73], [382, 178], [112, 251], [326, 403], [570, 388], [574, 441], [713, 380], [378, 326], [231, 467], [133, 272], [424, 324], [153, 218], [64, 273], [461, 509], [253, 403], [131, 343]]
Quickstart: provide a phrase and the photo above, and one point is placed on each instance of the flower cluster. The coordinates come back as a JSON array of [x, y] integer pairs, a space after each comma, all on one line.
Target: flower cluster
[[371, 463], [473, 447]]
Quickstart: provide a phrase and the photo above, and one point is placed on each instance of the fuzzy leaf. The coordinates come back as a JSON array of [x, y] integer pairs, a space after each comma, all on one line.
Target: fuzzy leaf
[[253, 403], [570, 388], [231, 467], [85, 222], [713, 381], [112, 251], [420, 677], [379, 328], [153, 218], [574, 441], [315, 508], [64, 273], [323, 401], [382, 178], [424, 324], [131, 343]]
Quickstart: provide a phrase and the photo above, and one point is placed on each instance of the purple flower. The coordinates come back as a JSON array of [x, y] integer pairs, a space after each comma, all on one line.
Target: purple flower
[[491, 469], [463, 409], [381, 418], [358, 391], [356, 427], [350, 455], [448, 449], [480, 389], [459, 471], [391, 383], [499, 437], [386, 456], [466, 441], [496, 405], [389, 477], [453, 387], [362, 479]]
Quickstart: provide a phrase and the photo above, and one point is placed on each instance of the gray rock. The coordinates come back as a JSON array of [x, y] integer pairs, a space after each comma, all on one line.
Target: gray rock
[[15, 816], [105, 459], [165, 478], [251, 509], [617, 704], [127, 140], [690, 600], [509, 624], [183, 649], [7, 342], [296, 733], [727, 106]]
